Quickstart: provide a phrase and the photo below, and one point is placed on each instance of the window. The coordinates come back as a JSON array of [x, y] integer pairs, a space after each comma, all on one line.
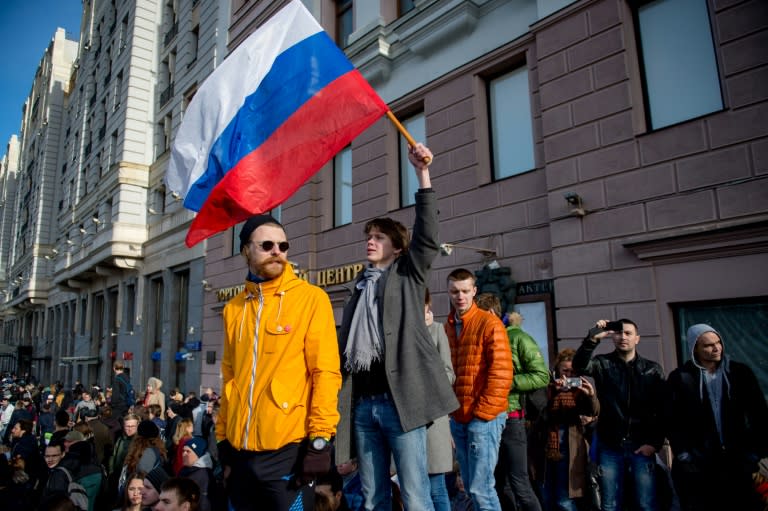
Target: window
[[130, 307], [123, 41], [195, 43], [404, 6], [741, 323], [344, 21], [181, 326], [342, 187], [118, 90], [678, 60], [188, 98], [156, 318], [236, 238], [164, 135], [408, 182], [510, 122], [113, 154]]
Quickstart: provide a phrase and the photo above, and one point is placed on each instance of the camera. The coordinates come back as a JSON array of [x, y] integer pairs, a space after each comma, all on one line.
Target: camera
[[573, 382], [615, 326]]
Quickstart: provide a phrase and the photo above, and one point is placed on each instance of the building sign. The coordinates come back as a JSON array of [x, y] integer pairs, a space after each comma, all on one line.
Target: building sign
[[321, 278], [339, 275], [535, 287]]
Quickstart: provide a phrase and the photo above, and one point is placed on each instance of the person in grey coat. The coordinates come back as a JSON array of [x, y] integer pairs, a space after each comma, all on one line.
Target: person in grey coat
[[439, 449], [393, 373]]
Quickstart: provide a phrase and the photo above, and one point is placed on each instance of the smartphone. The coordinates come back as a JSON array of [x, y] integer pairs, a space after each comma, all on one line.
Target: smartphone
[[573, 382], [615, 326]]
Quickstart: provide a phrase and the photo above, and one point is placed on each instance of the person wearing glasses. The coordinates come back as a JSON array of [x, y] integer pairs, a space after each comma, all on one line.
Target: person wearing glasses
[[280, 375], [53, 454]]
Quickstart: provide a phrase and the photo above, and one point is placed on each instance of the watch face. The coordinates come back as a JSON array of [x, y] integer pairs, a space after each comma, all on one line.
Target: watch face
[[319, 444]]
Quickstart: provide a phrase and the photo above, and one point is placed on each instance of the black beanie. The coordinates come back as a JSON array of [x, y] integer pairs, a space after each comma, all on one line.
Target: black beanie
[[254, 223], [148, 429], [157, 476]]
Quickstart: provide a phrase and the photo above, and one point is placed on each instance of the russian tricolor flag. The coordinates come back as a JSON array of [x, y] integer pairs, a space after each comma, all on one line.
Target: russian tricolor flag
[[273, 113]]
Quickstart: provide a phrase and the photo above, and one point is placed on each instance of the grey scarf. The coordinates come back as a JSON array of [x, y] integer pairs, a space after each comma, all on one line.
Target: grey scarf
[[364, 342]]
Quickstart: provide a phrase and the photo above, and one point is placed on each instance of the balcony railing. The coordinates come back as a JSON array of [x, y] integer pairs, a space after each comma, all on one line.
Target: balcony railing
[[166, 95]]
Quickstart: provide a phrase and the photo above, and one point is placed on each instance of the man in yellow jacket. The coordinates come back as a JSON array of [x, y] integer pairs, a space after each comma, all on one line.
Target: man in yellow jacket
[[281, 377]]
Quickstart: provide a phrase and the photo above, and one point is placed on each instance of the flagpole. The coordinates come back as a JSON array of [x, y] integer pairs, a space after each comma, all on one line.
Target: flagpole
[[404, 133]]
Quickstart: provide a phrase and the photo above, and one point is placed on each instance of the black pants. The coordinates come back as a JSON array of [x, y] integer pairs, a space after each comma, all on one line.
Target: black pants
[[264, 480], [512, 482]]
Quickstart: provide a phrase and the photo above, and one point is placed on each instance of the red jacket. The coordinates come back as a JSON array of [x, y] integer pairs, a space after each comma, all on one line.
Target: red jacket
[[482, 362]]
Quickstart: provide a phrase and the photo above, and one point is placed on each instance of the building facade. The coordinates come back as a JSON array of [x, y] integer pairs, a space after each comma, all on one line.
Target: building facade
[[109, 278], [594, 159]]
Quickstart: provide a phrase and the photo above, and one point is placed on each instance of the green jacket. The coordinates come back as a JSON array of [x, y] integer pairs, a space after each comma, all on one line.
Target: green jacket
[[531, 371]]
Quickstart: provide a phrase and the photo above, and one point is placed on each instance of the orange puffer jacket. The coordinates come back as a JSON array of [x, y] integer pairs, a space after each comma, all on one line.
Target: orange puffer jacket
[[482, 362]]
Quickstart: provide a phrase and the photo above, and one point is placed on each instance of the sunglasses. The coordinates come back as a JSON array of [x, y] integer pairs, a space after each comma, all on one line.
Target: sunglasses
[[266, 246]]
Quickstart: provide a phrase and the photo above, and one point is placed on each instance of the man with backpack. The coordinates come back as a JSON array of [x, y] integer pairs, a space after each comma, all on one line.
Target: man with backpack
[[123, 395], [76, 476]]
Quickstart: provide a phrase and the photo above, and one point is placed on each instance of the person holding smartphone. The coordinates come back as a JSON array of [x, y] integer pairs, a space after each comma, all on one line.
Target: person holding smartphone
[[630, 429], [571, 400]]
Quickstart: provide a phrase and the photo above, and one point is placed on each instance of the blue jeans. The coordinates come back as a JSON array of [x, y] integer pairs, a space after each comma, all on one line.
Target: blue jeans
[[613, 465], [556, 494], [477, 449], [380, 437], [439, 492]]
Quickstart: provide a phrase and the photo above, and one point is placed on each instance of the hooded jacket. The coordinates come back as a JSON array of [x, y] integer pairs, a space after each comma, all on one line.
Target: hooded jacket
[[155, 396], [692, 429], [280, 368]]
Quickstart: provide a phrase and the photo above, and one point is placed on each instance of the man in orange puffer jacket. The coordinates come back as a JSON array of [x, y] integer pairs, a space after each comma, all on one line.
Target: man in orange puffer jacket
[[482, 362]]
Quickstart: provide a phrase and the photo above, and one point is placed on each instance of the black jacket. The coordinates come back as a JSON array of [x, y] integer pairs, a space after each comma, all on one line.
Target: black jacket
[[630, 393], [691, 424]]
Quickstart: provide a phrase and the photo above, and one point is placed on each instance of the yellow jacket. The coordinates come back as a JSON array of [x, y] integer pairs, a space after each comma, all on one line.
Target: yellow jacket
[[281, 385]]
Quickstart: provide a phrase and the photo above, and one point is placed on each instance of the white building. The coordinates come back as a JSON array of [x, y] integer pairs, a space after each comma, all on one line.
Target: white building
[[111, 278]]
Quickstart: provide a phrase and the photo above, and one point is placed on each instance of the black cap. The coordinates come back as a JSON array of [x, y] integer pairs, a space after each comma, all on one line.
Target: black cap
[[254, 223]]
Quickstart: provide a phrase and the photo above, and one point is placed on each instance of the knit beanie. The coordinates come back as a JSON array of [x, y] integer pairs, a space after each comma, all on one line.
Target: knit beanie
[[198, 445], [156, 477], [148, 429], [254, 223]]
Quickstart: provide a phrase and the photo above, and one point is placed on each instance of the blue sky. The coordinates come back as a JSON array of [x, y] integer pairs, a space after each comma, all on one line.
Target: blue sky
[[26, 28]]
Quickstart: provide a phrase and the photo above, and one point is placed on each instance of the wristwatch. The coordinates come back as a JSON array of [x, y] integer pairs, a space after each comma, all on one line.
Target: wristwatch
[[319, 443]]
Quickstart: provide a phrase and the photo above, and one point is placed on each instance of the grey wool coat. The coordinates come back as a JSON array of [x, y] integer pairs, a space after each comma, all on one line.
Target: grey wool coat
[[415, 372]]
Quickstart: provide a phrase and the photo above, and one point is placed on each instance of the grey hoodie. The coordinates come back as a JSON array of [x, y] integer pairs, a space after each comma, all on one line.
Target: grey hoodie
[[716, 382]]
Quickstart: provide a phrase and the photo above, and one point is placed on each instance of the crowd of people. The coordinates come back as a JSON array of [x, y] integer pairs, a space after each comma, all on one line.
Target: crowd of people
[[395, 411], [73, 448]]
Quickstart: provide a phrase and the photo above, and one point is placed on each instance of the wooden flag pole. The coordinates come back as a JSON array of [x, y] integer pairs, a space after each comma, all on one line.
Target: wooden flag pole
[[404, 133]]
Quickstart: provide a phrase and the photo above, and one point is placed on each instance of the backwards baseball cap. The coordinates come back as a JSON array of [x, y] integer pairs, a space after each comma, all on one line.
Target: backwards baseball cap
[[252, 224]]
